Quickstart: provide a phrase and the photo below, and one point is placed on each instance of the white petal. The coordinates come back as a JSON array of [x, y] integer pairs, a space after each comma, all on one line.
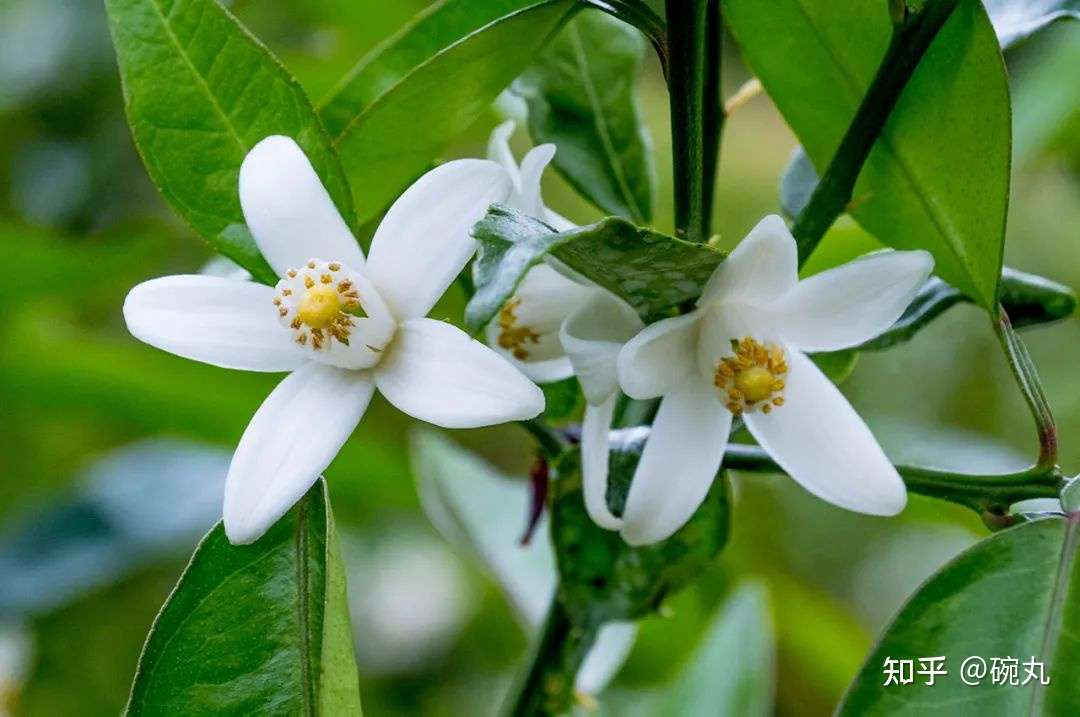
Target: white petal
[[498, 150], [677, 467], [227, 323], [541, 304], [424, 241], [532, 169], [659, 358], [852, 303], [762, 267], [819, 440], [289, 211], [556, 221], [433, 371], [594, 462], [292, 438], [592, 337]]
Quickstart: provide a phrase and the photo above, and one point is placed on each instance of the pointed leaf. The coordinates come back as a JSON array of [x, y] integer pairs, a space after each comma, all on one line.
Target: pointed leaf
[[582, 96], [255, 629], [1012, 595], [200, 92], [1029, 300], [400, 107], [650, 270], [938, 178]]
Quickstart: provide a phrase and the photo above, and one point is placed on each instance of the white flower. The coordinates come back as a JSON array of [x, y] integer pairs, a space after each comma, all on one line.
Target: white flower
[[558, 324], [742, 352], [341, 324], [526, 331]]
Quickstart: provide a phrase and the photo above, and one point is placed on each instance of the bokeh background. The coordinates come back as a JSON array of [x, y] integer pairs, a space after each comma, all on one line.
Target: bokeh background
[[112, 453]]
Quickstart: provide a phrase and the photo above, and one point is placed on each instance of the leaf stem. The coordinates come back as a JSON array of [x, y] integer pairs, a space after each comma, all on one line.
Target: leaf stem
[[694, 34], [548, 440], [1027, 378], [986, 494], [547, 688], [913, 32]]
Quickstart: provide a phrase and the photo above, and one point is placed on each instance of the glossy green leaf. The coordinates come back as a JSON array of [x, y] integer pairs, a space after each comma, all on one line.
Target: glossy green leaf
[[1029, 300], [1017, 20], [1012, 595], [938, 178], [255, 629], [400, 106], [200, 92], [601, 577], [651, 271], [581, 96]]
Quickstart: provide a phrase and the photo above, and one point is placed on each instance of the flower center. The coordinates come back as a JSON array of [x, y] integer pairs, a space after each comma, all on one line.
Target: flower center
[[319, 303], [512, 337], [753, 377], [319, 307]]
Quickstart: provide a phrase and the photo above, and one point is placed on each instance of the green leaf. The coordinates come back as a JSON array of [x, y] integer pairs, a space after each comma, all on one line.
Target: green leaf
[[601, 577], [938, 178], [561, 399], [255, 629], [400, 106], [1012, 595], [651, 271], [1017, 20], [1029, 300], [581, 96], [200, 92], [837, 365]]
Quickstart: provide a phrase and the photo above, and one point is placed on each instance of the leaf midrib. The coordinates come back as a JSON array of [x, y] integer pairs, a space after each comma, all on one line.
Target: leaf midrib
[[600, 124], [885, 140], [304, 610], [1054, 616], [182, 52]]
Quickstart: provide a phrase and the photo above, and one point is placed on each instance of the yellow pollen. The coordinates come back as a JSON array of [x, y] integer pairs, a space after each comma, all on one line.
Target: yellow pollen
[[512, 337], [319, 307], [752, 377]]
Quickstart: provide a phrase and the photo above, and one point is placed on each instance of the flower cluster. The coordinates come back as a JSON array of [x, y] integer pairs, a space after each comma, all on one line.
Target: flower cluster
[[345, 325]]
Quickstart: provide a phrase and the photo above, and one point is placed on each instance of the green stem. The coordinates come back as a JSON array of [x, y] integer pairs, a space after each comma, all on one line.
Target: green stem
[[986, 494], [912, 34], [548, 686], [694, 35], [548, 440], [1027, 378]]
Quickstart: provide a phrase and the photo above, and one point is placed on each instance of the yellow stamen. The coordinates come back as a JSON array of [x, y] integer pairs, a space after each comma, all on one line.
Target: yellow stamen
[[512, 337], [752, 377]]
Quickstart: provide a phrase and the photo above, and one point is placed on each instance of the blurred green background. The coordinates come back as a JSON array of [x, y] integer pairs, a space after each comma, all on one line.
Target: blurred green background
[[80, 224]]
